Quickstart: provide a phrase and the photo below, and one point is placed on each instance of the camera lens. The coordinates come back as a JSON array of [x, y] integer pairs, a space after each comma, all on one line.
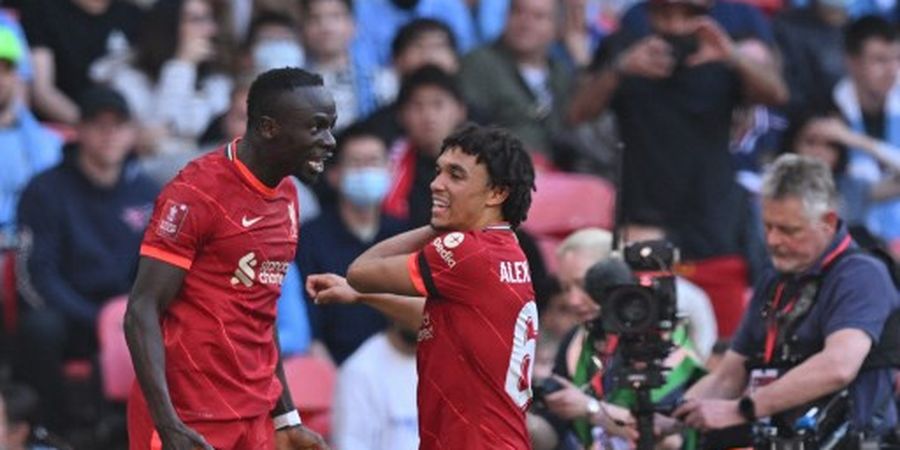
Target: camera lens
[[633, 309]]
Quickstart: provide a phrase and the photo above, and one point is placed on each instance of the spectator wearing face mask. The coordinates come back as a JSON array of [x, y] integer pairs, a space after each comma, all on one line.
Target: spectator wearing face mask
[[332, 241], [273, 41]]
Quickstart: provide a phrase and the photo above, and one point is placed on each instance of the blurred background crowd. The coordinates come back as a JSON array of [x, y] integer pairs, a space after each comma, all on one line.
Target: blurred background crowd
[[668, 108]]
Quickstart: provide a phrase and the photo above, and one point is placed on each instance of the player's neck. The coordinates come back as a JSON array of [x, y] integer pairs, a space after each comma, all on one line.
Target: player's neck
[[491, 219], [250, 156]]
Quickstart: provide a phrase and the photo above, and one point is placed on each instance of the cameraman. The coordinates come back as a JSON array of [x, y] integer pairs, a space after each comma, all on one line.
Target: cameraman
[[810, 324], [584, 383]]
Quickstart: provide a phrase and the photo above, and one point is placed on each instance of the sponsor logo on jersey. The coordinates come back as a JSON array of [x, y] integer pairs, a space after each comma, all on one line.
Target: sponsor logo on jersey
[[269, 272], [173, 214], [444, 252], [514, 272], [249, 222], [426, 331], [452, 240]]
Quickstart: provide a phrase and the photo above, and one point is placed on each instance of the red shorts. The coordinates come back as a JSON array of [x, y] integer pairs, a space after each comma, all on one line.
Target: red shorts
[[257, 433]]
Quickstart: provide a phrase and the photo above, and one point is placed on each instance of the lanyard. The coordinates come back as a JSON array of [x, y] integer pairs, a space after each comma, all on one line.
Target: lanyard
[[772, 326]]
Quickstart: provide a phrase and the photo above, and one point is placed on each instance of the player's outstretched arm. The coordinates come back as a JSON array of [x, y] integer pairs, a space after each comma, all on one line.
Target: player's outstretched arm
[[382, 269], [328, 288], [154, 289]]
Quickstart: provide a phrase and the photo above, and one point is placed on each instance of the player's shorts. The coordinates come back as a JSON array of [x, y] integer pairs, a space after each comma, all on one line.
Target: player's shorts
[[257, 433]]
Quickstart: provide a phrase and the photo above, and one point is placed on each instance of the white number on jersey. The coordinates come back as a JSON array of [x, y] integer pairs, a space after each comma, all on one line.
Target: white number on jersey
[[521, 361]]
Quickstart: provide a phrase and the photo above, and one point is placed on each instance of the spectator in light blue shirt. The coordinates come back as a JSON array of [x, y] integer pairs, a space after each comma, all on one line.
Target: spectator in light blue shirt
[[26, 147]]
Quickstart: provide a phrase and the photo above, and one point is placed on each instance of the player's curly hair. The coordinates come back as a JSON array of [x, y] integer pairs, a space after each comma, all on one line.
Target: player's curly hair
[[508, 165], [270, 85]]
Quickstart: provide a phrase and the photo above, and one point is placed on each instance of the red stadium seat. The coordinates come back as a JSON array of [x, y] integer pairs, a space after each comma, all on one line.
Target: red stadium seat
[[311, 381], [726, 280], [566, 202], [116, 371]]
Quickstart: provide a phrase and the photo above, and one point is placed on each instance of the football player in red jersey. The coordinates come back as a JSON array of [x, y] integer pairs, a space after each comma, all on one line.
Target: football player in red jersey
[[200, 322], [478, 321]]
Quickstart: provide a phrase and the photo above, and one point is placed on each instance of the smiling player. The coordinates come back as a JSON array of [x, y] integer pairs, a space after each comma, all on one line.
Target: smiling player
[[478, 326], [201, 316]]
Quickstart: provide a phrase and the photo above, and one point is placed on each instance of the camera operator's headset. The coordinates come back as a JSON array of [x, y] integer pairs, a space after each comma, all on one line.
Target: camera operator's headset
[[783, 317]]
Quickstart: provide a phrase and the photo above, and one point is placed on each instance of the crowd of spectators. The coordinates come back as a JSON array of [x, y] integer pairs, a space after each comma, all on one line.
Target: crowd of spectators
[[679, 104]]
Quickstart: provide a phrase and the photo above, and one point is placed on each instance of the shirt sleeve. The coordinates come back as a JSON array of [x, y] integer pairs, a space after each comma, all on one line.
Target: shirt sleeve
[[182, 220], [448, 266], [861, 297]]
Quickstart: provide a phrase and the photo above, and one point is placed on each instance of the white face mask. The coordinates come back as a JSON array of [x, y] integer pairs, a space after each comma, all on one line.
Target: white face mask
[[277, 53], [365, 186]]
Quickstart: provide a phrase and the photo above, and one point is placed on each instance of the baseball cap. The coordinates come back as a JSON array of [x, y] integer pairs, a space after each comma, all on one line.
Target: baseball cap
[[699, 4], [99, 99], [10, 48]]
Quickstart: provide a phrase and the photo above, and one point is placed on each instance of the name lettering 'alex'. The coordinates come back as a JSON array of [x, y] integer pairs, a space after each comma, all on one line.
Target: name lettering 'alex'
[[514, 272]]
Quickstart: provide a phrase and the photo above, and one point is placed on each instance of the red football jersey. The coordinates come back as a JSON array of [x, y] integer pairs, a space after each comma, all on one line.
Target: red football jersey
[[236, 238], [477, 341]]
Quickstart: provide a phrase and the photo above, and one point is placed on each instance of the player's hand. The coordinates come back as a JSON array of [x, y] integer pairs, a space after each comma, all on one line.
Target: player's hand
[[328, 288], [709, 414], [182, 437], [650, 57], [299, 438]]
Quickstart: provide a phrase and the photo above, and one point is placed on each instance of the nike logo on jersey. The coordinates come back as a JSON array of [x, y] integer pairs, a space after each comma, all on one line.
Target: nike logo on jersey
[[247, 223]]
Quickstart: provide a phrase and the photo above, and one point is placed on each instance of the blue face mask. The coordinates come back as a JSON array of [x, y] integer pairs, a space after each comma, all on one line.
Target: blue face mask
[[365, 186]]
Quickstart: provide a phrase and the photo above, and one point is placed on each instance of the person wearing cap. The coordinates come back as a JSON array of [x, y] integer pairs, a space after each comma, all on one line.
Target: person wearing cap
[[81, 225], [26, 147]]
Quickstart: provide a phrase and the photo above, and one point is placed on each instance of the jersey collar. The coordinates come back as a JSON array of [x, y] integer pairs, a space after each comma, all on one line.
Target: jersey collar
[[246, 174]]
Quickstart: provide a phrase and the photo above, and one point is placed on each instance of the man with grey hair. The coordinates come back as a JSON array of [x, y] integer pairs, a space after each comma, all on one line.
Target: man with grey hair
[[812, 321]]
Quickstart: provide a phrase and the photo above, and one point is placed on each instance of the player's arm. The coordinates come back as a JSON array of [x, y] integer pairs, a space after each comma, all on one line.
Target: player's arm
[[290, 433], [154, 289], [328, 288], [383, 268]]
